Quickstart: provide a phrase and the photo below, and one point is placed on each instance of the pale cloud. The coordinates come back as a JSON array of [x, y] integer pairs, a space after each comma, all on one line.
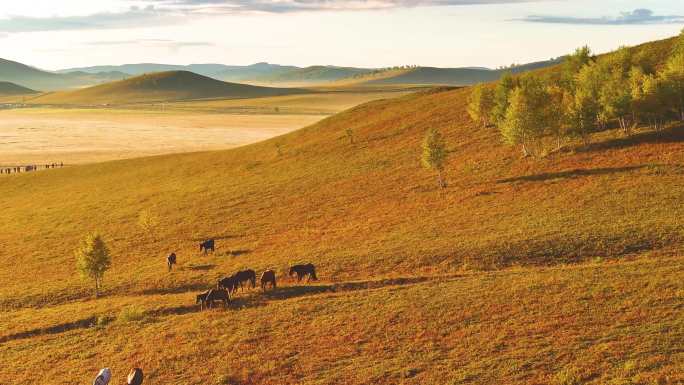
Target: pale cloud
[[132, 17], [636, 17], [170, 12], [281, 6]]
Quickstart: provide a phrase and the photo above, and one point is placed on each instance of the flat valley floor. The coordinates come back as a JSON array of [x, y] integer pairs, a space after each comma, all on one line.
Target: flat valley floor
[[44, 135]]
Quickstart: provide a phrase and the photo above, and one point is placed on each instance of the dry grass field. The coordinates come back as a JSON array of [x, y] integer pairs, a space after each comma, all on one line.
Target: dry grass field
[[564, 270], [85, 135]]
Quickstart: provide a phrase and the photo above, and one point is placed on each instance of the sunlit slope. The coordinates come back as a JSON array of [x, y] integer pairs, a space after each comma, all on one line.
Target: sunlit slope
[[357, 210], [159, 87], [601, 323]]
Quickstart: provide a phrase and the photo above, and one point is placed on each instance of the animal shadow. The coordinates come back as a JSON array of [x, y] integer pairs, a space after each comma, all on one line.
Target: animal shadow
[[205, 267]]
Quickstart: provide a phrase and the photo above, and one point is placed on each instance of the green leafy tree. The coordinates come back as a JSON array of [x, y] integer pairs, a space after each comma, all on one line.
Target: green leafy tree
[[636, 86], [93, 259], [434, 154], [654, 101], [481, 104], [616, 100], [673, 81], [559, 122], [585, 112], [572, 65], [679, 44], [527, 118], [501, 98], [611, 75]]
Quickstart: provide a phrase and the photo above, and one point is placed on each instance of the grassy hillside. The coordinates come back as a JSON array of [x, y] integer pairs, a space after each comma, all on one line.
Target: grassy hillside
[[11, 71], [313, 74], [440, 76], [7, 88], [161, 86], [564, 270]]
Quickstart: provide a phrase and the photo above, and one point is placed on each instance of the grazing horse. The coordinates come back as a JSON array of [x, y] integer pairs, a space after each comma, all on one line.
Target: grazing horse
[[217, 295], [304, 270], [228, 283], [267, 277], [171, 260], [207, 245], [135, 377], [202, 299], [246, 276]]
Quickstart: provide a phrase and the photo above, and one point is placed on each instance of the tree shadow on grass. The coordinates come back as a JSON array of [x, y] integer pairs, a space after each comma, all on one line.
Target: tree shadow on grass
[[570, 174], [184, 288], [56, 329], [176, 310], [670, 135], [239, 252]]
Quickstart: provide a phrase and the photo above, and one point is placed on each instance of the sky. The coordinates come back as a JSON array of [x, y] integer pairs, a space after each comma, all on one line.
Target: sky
[[61, 34]]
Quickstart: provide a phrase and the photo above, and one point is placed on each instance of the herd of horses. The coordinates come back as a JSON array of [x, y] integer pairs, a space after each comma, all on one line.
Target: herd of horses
[[29, 168], [228, 286]]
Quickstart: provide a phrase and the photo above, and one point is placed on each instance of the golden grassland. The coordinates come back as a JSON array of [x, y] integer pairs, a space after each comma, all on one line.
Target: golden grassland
[[84, 135], [561, 270]]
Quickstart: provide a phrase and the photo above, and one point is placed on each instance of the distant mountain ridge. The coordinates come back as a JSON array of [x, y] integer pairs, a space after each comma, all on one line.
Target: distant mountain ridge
[[267, 73], [258, 73], [34, 78], [217, 71]]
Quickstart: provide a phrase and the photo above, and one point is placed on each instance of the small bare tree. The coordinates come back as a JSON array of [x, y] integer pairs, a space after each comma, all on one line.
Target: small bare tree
[[349, 133]]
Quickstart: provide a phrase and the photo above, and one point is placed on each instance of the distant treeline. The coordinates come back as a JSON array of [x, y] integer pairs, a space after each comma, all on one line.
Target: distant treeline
[[384, 70], [543, 110]]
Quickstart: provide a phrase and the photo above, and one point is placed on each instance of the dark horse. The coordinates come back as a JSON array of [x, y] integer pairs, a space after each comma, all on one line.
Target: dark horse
[[217, 295], [202, 299], [267, 277], [229, 283], [304, 270], [246, 276], [171, 260], [207, 245]]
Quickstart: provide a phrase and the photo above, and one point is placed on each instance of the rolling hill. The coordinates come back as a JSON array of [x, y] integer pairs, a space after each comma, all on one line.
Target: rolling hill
[[217, 71], [440, 76], [161, 87], [7, 88], [313, 74], [15, 72], [564, 270]]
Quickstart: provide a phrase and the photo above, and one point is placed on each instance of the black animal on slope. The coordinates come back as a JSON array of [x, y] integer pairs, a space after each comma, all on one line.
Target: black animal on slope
[[202, 299], [229, 283], [304, 270], [135, 377], [171, 260], [248, 276], [207, 245], [268, 277], [217, 295]]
